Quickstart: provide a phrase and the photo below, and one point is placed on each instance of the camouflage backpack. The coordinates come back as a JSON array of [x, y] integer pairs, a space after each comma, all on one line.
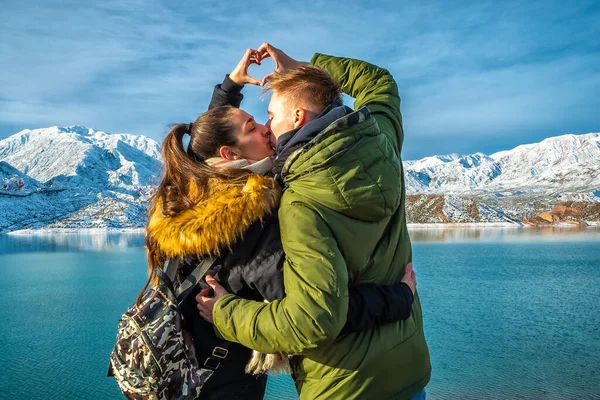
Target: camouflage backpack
[[154, 357]]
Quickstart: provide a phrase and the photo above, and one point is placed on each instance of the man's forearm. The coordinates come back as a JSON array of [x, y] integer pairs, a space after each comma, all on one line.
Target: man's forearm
[[371, 86], [280, 327]]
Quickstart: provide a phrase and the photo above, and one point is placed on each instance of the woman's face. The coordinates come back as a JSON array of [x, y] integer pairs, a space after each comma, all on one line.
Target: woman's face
[[253, 139]]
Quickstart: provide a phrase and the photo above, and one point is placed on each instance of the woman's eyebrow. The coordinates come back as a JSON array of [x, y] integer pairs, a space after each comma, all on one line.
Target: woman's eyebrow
[[251, 119]]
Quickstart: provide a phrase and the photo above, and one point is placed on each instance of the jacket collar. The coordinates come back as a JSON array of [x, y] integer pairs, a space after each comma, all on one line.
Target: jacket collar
[[216, 223], [288, 153], [307, 132]]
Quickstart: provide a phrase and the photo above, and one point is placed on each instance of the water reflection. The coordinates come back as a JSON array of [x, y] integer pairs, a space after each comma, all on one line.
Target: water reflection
[[68, 242], [503, 234], [120, 241]]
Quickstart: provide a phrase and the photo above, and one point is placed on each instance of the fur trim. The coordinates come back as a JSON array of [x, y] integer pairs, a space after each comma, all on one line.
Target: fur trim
[[274, 364], [217, 222]]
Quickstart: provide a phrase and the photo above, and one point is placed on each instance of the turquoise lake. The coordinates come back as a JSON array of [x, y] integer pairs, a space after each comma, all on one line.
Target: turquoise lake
[[509, 313]]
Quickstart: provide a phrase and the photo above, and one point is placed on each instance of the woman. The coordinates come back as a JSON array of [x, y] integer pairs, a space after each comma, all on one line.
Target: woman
[[215, 199]]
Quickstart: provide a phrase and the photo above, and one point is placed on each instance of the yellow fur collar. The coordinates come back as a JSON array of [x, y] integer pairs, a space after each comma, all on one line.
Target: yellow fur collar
[[217, 222]]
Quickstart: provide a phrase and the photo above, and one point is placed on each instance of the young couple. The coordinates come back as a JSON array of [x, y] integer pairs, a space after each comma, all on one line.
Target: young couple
[[306, 212]]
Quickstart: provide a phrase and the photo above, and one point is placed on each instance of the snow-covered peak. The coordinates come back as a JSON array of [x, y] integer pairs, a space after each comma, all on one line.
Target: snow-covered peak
[[80, 156], [563, 163]]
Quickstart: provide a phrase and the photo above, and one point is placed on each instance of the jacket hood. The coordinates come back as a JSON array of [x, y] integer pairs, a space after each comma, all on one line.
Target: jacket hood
[[217, 222], [350, 167]]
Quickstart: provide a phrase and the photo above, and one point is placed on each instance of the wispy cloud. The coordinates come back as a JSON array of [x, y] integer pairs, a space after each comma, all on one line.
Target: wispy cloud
[[505, 71]]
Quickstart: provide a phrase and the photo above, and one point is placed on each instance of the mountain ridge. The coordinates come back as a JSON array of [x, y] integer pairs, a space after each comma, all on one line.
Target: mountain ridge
[[77, 177]]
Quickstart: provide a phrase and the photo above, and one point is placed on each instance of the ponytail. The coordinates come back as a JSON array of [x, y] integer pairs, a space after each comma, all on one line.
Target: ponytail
[[208, 133]]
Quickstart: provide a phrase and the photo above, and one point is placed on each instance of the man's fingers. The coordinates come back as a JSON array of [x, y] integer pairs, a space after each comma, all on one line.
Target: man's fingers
[[203, 294], [263, 48], [212, 282], [266, 78], [205, 316], [203, 299], [266, 50]]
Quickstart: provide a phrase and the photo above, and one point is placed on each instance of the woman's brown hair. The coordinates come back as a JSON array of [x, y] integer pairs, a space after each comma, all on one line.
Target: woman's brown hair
[[208, 133]]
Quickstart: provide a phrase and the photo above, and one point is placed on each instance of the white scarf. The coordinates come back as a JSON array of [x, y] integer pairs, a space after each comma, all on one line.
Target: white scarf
[[261, 167]]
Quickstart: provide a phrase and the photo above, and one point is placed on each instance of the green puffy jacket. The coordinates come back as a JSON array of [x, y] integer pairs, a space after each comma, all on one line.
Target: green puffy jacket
[[342, 221]]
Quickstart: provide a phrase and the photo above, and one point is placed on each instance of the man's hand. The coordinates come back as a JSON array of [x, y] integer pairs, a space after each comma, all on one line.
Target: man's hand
[[283, 62], [240, 74], [206, 303], [410, 277]]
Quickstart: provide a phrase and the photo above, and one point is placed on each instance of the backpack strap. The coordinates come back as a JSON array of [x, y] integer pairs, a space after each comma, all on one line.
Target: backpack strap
[[192, 280], [218, 354], [172, 268]]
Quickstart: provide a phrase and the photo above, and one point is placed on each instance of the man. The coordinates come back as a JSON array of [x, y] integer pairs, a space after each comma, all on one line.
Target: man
[[342, 221]]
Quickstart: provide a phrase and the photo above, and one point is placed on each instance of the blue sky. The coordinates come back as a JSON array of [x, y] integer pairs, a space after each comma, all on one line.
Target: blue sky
[[473, 76]]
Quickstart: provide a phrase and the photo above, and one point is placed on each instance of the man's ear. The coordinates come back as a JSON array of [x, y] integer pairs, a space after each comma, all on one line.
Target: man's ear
[[228, 153], [299, 117]]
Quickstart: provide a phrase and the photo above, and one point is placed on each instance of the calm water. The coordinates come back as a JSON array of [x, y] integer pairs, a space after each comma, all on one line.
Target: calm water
[[508, 313]]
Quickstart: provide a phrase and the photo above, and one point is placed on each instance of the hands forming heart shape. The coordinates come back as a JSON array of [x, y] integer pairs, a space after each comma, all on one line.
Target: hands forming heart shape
[[283, 62]]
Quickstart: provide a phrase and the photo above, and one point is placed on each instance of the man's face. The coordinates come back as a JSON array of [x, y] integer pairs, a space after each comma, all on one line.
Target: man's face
[[280, 116], [253, 139]]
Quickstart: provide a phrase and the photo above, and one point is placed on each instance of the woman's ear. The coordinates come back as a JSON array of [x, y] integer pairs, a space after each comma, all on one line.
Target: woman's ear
[[228, 153]]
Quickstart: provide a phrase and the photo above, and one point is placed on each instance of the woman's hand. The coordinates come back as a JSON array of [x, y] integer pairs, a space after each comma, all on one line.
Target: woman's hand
[[240, 73], [410, 277], [207, 303]]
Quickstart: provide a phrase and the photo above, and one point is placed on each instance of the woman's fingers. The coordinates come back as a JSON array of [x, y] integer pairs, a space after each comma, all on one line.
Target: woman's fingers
[[240, 73]]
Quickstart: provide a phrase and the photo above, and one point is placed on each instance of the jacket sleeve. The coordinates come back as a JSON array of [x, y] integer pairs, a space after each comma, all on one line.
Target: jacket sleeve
[[268, 279], [227, 93], [316, 284], [264, 273], [372, 305], [371, 86]]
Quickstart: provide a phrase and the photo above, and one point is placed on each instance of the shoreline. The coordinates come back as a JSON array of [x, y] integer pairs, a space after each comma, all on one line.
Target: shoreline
[[79, 231], [444, 225], [411, 226]]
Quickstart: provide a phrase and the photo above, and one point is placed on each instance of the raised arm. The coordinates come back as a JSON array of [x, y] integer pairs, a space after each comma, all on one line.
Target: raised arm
[[229, 93], [316, 284], [371, 86]]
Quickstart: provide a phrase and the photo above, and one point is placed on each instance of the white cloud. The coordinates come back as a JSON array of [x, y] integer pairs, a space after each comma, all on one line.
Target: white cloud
[[138, 65]]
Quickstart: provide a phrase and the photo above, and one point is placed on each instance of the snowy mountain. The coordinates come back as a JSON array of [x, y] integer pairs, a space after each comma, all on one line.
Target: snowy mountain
[[554, 181], [557, 165], [81, 157], [76, 177]]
